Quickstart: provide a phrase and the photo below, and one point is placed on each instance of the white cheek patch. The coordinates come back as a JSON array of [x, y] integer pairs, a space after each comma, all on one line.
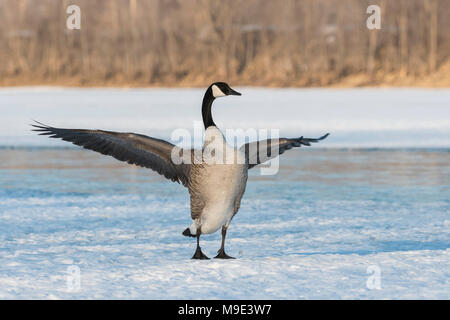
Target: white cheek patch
[[217, 92]]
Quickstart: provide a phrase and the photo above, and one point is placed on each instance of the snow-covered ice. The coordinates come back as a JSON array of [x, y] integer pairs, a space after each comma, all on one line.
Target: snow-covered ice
[[312, 231]]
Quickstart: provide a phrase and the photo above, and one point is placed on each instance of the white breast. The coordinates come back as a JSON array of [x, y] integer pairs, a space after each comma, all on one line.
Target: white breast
[[222, 183]]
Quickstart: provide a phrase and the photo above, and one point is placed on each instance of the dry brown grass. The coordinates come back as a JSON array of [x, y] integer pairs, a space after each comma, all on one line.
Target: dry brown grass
[[292, 43]]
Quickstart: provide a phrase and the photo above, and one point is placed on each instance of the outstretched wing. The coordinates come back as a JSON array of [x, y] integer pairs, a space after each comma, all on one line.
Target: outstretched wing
[[258, 152], [132, 148]]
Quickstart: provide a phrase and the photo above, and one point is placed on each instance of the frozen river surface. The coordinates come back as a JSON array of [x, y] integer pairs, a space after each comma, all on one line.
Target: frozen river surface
[[333, 223]]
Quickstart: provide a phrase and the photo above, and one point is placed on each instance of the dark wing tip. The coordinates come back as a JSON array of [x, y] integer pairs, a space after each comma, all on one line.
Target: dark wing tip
[[308, 141], [323, 137], [40, 126]]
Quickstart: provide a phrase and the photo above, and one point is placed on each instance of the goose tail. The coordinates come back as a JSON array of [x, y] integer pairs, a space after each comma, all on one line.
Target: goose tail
[[187, 233]]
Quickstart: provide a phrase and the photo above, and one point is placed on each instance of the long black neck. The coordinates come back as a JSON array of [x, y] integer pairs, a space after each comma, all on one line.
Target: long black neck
[[206, 109]]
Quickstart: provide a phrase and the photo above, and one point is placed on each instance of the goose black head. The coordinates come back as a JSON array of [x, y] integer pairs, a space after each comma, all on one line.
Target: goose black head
[[221, 89], [215, 90]]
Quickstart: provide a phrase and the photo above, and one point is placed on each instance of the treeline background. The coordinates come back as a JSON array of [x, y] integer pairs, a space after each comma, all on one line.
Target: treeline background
[[247, 42]]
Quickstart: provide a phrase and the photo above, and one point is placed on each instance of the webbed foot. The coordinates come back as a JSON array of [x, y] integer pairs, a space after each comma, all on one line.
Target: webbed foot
[[199, 254], [223, 255]]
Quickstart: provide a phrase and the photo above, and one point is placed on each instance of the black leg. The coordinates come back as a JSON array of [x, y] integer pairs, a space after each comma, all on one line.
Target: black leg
[[198, 252], [221, 252]]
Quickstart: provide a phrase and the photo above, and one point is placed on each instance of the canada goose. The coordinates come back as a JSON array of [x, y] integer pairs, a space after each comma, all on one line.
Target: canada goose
[[215, 188]]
